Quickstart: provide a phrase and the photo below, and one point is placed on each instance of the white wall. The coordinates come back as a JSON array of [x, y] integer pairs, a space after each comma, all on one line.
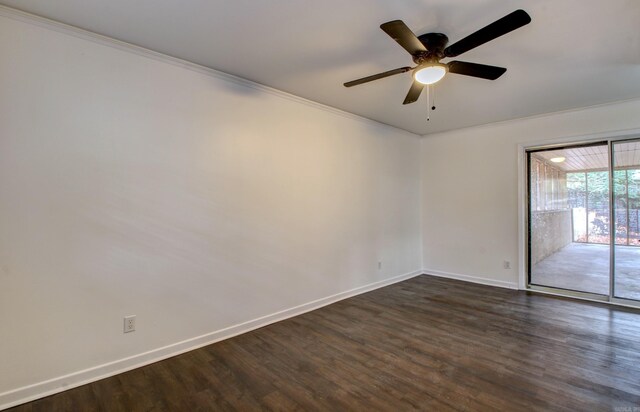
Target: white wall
[[470, 188], [131, 185]]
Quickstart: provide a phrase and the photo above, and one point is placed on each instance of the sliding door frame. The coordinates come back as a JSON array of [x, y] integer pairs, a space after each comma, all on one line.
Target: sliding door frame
[[550, 289], [524, 212], [612, 218]]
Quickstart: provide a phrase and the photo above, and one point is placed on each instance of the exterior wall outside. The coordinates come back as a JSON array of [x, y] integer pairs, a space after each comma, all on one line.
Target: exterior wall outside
[[551, 231]]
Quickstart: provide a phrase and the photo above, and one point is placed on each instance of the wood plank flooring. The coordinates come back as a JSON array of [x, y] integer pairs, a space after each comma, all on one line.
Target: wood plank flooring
[[423, 344]]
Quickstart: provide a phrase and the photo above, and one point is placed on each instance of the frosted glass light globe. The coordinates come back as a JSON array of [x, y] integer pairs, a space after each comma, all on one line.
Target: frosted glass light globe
[[430, 74]]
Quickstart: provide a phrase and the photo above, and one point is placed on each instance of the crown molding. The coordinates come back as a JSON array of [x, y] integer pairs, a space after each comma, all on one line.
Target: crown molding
[[536, 116], [77, 32]]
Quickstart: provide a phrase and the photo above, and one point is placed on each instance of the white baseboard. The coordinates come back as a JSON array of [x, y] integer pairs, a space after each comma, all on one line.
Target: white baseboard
[[472, 279], [49, 387]]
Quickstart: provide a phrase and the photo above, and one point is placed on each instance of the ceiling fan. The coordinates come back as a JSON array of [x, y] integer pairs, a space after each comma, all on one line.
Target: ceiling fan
[[428, 49]]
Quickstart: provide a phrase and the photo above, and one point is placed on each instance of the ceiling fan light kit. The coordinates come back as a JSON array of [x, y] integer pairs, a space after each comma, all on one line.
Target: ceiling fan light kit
[[430, 73], [428, 49]]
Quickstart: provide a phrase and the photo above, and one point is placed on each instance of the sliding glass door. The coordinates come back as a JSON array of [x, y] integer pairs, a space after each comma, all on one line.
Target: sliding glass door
[[568, 218], [584, 220], [626, 206]]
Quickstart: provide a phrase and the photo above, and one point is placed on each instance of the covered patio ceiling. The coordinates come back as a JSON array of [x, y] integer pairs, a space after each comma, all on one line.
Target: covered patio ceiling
[[627, 154]]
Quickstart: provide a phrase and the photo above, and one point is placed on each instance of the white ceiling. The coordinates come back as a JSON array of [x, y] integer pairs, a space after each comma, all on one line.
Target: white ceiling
[[574, 53]]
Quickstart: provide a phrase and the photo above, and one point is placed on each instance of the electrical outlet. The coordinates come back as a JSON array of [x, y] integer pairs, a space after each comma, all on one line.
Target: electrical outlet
[[506, 264], [129, 323]]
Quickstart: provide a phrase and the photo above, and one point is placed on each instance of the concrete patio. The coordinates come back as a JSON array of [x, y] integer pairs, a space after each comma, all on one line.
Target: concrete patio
[[585, 267]]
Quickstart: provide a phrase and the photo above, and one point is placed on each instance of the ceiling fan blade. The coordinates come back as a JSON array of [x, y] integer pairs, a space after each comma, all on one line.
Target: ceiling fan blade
[[476, 70], [377, 76], [414, 92], [403, 36], [496, 29]]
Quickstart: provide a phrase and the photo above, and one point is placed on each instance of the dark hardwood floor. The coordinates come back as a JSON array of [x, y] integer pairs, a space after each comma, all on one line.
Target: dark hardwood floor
[[425, 344]]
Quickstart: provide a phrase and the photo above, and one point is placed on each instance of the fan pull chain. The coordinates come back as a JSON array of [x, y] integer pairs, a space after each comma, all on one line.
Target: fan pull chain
[[433, 107], [428, 102]]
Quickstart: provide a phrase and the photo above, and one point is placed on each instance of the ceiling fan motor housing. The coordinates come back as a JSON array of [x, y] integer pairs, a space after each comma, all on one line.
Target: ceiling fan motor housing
[[435, 44]]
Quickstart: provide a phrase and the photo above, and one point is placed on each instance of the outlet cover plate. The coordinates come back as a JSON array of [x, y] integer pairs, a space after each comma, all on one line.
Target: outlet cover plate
[[129, 323]]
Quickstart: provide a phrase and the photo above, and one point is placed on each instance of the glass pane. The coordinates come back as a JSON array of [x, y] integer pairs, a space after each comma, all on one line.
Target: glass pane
[[626, 196], [569, 219], [598, 207], [620, 185], [577, 194]]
